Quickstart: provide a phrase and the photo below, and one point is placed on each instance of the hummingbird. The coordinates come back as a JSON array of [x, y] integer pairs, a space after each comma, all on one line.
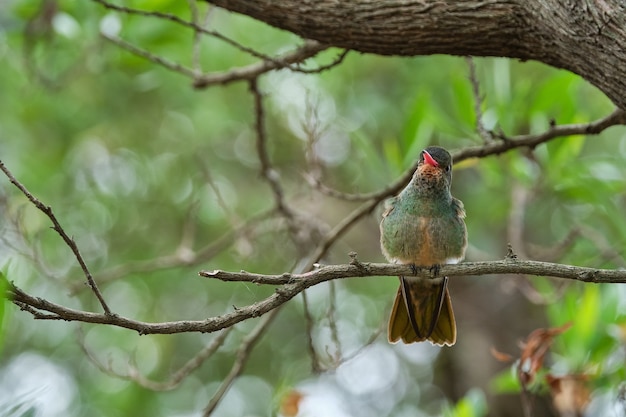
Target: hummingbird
[[423, 226]]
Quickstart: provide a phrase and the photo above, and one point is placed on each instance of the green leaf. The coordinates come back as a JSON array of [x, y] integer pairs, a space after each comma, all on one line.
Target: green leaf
[[505, 383], [473, 404]]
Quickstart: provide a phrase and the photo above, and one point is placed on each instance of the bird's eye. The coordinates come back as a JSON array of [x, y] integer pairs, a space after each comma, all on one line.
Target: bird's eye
[[448, 168]]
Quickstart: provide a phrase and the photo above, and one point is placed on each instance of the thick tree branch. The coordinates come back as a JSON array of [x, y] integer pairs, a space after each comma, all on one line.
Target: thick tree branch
[[588, 39]]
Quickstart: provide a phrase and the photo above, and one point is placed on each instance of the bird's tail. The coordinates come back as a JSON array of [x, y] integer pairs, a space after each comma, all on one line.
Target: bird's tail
[[422, 311]]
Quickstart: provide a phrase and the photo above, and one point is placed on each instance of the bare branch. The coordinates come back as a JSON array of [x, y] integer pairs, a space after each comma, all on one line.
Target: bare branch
[[340, 229], [332, 322], [316, 367], [618, 117], [233, 218], [363, 269], [607, 250], [289, 285], [197, 20], [321, 68], [556, 252], [180, 258], [175, 379], [267, 63], [520, 196], [172, 66], [241, 358], [38, 315], [486, 135], [268, 173], [252, 71], [530, 141], [47, 210], [191, 25]]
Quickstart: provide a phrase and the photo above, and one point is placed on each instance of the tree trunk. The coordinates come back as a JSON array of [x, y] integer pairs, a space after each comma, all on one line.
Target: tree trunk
[[587, 37]]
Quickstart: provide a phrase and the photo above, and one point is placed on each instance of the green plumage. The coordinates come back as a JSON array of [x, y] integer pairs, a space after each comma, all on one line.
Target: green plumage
[[424, 226]]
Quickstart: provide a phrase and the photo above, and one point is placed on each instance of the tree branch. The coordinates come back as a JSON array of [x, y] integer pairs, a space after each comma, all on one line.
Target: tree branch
[[47, 210], [290, 60], [241, 358], [307, 50], [587, 40], [485, 135], [175, 379], [289, 285], [496, 147], [360, 269], [618, 117], [180, 258]]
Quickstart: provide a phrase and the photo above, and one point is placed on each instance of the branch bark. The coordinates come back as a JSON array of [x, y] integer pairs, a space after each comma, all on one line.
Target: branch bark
[[586, 37], [359, 269]]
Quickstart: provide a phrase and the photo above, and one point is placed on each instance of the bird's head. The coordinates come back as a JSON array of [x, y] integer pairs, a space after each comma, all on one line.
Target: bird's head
[[434, 169]]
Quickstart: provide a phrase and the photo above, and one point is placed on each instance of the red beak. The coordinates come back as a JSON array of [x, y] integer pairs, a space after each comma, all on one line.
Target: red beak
[[429, 160]]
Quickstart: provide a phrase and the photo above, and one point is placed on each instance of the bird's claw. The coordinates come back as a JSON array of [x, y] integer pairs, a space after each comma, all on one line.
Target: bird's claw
[[435, 270], [413, 268]]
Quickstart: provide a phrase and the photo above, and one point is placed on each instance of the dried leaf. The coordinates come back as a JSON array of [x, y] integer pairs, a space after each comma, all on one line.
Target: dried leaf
[[291, 403], [501, 356], [570, 394], [534, 350]]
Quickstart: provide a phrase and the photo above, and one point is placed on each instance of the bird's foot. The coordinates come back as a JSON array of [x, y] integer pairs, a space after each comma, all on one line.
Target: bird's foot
[[435, 270], [413, 268]]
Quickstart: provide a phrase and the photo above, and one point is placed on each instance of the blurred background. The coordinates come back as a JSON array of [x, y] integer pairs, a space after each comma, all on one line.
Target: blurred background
[[156, 181]]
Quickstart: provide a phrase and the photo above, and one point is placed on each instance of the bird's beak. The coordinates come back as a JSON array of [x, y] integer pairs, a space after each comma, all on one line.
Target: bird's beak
[[429, 160]]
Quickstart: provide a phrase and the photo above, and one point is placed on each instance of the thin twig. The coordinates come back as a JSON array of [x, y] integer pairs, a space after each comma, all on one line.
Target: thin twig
[[174, 380], [316, 367], [608, 250], [178, 258], [313, 130], [252, 71], [197, 36], [530, 141], [37, 315], [172, 66], [241, 358], [268, 173], [332, 321], [375, 335], [321, 68], [340, 229], [47, 210], [556, 252], [233, 219], [191, 25], [526, 399], [274, 63], [486, 135], [520, 196]]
